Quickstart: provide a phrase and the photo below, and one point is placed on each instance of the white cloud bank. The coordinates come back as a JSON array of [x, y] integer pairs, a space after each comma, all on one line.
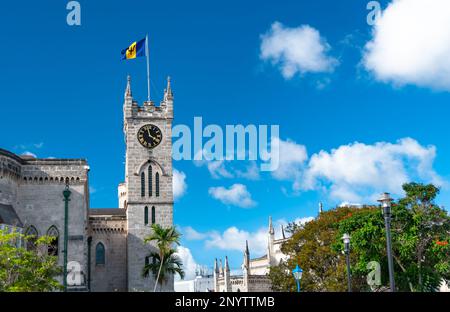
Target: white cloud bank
[[189, 264], [236, 195], [296, 50], [29, 154], [358, 172], [179, 184], [292, 158], [234, 239], [411, 44], [219, 169]]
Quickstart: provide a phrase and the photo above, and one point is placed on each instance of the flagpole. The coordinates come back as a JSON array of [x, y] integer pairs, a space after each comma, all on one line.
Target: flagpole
[[148, 67]]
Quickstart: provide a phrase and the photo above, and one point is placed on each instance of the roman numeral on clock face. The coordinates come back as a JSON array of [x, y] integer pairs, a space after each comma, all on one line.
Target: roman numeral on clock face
[[149, 136]]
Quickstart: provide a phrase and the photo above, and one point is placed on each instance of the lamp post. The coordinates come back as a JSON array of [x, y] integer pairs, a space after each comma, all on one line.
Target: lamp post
[[297, 272], [346, 239], [66, 194], [385, 201]]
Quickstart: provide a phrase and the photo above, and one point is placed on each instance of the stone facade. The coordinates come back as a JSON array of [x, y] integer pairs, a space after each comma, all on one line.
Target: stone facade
[[31, 194], [144, 166], [33, 187], [108, 230], [255, 272]]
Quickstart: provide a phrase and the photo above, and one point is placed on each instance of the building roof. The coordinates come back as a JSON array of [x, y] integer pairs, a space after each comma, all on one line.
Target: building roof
[[259, 258], [9, 216], [107, 212], [24, 159]]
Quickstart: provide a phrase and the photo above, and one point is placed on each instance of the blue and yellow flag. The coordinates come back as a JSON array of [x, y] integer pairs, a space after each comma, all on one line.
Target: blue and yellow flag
[[136, 49]]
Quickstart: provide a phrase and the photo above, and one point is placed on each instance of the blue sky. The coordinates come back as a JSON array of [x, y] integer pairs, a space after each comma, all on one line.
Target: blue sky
[[62, 91]]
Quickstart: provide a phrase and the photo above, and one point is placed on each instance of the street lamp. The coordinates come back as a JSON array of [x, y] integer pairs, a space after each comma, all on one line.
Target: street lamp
[[386, 201], [346, 239], [297, 272], [66, 194]]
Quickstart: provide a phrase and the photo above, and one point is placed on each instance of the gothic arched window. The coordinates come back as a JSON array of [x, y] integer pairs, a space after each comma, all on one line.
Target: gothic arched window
[[53, 247], [150, 182], [157, 184], [99, 254], [146, 215], [153, 215], [142, 184], [31, 240]]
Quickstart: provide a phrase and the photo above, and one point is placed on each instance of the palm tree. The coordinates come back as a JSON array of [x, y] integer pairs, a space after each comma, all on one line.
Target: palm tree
[[170, 265], [165, 238]]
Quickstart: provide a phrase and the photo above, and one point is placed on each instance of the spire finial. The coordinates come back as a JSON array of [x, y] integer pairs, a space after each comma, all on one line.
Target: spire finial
[[227, 267], [320, 207], [271, 231], [128, 89], [246, 247], [168, 92], [282, 232]]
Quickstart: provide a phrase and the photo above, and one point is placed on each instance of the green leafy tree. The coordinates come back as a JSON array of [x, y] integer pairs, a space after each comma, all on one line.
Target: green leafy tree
[[165, 238], [312, 247], [170, 265], [420, 240], [24, 270]]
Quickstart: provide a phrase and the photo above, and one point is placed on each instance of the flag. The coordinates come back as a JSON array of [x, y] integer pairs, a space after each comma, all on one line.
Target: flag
[[136, 49]]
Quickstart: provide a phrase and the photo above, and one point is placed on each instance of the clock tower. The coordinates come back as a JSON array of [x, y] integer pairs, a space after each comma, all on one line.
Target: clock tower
[[147, 192]]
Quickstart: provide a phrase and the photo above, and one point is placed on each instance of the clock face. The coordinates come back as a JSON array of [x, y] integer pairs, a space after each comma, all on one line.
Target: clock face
[[149, 136]]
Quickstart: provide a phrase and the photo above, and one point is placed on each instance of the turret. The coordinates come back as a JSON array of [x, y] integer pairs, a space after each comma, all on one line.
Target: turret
[[246, 257], [127, 99], [216, 274], [227, 276], [320, 208], [220, 268], [246, 265], [270, 242], [167, 102]]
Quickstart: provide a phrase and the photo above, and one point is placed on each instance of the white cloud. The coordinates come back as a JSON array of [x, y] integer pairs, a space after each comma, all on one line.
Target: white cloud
[[236, 195], [234, 239], [358, 172], [189, 264], [219, 169], [190, 234], [28, 153], [348, 204], [284, 223], [251, 172], [296, 50], [292, 159], [411, 44], [179, 184]]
